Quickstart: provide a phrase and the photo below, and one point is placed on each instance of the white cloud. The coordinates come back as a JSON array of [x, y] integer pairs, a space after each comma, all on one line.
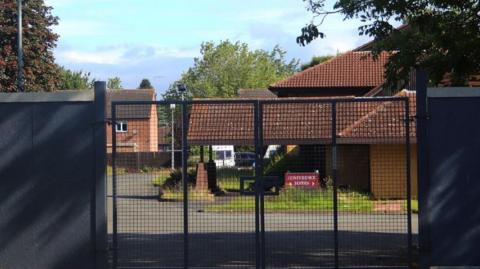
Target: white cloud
[[95, 57], [122, 54]]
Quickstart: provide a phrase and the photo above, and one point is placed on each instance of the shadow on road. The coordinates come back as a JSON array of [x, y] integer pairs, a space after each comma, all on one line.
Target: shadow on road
[[305, 249]]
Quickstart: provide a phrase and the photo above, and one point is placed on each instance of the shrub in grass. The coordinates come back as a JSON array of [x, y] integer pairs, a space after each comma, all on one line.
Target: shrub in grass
[[174, 181], [281, 163]]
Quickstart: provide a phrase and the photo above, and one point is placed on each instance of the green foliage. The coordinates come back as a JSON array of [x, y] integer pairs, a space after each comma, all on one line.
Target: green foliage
[[226, 67], [316, 60], [114, 83], [145, 84], [172, 93], [38, 41], [118, 170], [71, 80], [281, 163], [442, 36]]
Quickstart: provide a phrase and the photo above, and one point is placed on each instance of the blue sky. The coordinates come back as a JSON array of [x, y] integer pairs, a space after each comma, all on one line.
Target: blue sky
[[157, 39]]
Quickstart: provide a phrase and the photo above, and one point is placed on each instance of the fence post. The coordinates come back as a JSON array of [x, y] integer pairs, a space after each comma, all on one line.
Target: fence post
[[409, 184], [259, 165], [114, 187], [258, 258], [334, 178], [99, 184], [185, 181], [421, 81]]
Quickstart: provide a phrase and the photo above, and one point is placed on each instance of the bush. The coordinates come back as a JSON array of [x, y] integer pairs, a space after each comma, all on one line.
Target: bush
[[174, 181], [280, 163]]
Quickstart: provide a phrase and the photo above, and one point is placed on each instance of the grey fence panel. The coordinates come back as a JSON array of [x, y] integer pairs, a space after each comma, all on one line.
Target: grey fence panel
[[48, 176], [450, 214]]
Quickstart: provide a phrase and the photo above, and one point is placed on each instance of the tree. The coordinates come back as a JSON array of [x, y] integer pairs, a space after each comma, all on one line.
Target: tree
[[441, 36], [38, 41], [145, 84], [70, 80], [114, 83], [172, 93], [316, 60], [225, 68]]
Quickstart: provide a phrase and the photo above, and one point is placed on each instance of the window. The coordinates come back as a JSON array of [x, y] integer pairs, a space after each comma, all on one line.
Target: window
[[121, 127], [220, 155]]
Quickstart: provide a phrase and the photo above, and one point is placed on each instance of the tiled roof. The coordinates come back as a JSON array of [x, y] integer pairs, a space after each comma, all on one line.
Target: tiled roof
[[303, 121], [220, 124], [352, 69], [130, 111], [255, 94], [384, 124]]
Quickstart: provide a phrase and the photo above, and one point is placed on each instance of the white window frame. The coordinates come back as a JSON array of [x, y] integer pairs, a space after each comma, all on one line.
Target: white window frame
[[121, 127]]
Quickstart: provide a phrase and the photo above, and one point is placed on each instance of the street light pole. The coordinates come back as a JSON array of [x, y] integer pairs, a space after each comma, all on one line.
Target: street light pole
[[20, 76], [172, 108]]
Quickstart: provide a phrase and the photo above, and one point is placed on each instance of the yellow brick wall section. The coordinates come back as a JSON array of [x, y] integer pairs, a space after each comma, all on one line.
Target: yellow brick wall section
[[153, 125], [388, 171]]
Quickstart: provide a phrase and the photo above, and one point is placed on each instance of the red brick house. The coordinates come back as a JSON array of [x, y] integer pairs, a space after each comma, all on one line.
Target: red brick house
[[137, 125]]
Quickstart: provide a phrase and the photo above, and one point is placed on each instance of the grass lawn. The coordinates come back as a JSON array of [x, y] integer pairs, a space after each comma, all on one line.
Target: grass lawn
[[302, 200], [119, 170], [177, 195], [228, 179]]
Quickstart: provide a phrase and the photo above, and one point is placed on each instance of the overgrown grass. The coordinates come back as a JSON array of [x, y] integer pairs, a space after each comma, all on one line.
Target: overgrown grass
[[228, 179], [303, 200]]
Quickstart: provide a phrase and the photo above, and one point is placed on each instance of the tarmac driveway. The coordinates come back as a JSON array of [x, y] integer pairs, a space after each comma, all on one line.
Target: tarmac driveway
[[150, 234]]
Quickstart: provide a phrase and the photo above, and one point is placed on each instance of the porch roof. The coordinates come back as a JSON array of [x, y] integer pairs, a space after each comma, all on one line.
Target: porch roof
[[301, 121]]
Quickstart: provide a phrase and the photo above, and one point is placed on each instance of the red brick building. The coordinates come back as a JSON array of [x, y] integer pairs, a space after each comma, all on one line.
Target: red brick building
[[370, 135], [136, 125]]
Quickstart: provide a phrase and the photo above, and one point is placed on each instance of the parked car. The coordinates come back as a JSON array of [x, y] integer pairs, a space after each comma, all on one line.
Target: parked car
[[244, 159], [224, 156]]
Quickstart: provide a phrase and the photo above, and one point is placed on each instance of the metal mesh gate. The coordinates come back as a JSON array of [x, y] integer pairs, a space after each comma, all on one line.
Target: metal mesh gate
[[280, 183]]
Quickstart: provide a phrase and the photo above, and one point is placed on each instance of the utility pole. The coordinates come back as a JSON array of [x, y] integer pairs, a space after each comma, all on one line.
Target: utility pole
[[20, 76], [172, 108]]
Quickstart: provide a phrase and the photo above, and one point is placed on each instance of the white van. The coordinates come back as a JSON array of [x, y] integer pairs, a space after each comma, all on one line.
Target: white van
[[224, 156]]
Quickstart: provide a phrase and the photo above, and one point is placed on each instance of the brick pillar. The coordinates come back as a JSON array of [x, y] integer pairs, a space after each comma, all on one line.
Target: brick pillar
[[202, 178], [212, 176]]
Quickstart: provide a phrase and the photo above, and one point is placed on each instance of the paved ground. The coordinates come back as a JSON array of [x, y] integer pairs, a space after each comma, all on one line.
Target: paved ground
[[150, 234]]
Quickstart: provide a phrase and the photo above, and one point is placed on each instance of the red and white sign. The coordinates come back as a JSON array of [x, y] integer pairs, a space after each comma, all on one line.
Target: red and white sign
[[306, 180]]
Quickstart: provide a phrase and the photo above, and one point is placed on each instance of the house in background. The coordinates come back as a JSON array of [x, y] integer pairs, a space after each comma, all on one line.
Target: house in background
[[256, 94], [136, 125], [354, 73], [371, 138], [164, 138]]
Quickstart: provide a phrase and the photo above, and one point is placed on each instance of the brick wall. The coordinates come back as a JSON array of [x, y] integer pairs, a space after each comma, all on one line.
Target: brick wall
[[388, 171], [140, 160], [140, 137]]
